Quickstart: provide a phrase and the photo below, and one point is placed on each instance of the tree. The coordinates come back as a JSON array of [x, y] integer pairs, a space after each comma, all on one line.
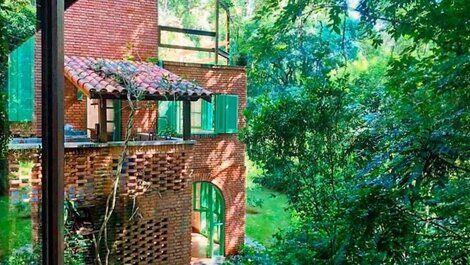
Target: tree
[[376, 162]]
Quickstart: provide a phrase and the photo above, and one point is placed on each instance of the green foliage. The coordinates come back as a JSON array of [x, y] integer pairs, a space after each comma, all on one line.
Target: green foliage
[[267, 211], [372, 151], [17, 23], [23, 256], [76, 245], [250, 255], [167, 132], [15, 227]]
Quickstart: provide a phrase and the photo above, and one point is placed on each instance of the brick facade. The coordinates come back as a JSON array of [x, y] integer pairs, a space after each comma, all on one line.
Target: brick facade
[[157, 176], [74, 110], [220, 159], [116, 29], [111, 29]]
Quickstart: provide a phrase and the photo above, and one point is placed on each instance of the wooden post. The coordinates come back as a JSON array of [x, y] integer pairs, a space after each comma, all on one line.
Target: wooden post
[[217, 7], [186, 120], [227, 36], [51, 17], [103, 122]]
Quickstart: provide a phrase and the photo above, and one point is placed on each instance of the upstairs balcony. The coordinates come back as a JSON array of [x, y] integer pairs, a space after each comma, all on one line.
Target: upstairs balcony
[[206, 42]]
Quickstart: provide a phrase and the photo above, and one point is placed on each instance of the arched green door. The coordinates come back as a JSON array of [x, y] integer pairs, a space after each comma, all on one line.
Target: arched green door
[[209, 203]]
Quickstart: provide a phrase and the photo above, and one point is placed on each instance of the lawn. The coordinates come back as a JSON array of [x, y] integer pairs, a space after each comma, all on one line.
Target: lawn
[[15, 221], [15, 228], [266, 209]]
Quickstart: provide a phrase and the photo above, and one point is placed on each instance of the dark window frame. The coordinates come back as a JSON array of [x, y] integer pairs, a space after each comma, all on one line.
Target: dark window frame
[[51, 23]]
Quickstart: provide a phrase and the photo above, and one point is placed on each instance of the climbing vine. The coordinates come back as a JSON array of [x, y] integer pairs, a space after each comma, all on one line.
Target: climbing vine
[[123, 73]]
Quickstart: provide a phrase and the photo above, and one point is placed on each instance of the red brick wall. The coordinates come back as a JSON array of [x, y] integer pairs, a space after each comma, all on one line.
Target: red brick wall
[[145, 117], [220, 159], [157, 176], [74, 110], [105, 29]]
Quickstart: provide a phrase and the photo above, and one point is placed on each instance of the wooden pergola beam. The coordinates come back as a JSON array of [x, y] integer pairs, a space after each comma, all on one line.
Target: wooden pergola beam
[[186, 120], [149, 97], [103, 122]]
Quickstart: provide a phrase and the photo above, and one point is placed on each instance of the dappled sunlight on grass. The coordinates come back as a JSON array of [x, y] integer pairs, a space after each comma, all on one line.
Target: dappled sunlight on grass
[[266, 211]]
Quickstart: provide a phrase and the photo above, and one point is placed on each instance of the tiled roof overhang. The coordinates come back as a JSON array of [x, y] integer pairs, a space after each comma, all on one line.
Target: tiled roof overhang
[[154, 82]]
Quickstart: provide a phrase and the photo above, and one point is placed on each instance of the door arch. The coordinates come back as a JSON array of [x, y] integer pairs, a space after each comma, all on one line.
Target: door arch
[[209, 207]]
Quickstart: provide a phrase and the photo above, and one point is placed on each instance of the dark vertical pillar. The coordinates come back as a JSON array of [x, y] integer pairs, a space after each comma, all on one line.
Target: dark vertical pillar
[[103, 121], [51, 16], [186, 120]]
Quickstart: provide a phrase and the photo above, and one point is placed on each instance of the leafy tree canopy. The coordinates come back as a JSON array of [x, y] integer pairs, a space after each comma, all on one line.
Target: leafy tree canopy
[[372, 147]]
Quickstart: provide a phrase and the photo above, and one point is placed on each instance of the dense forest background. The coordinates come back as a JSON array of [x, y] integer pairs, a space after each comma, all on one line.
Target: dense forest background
[[359, 112]]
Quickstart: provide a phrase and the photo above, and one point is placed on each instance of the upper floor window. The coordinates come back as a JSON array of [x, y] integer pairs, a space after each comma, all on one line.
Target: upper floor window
[[220, 116]]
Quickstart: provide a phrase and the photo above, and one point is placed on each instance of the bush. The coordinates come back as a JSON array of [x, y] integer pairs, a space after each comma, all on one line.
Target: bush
[[250, 255]]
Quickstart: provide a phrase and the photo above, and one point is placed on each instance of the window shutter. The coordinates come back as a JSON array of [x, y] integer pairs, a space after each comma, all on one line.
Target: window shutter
[[220, 113], [169, 115], [226, 114], [231, 115], [207, 112], [117, 120], [21, 82]]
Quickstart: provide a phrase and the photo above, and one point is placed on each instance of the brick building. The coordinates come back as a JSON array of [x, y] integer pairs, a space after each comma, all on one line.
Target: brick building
[[186, 189]]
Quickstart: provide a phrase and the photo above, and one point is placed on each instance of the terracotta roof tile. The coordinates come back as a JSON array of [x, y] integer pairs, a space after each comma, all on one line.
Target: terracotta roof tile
[[154, 81]]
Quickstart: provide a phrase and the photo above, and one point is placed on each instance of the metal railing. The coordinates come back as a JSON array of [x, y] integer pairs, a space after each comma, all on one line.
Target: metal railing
[[216, 49]]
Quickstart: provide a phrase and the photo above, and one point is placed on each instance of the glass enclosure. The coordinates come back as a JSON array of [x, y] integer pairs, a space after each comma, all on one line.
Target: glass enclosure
[[20, 178]]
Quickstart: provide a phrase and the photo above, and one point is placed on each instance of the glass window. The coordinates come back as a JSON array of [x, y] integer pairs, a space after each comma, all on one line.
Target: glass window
[[20, 128], [196, 115]]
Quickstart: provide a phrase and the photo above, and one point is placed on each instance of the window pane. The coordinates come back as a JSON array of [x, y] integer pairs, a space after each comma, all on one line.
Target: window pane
[[20, 164], [196, 120], [196, 106]]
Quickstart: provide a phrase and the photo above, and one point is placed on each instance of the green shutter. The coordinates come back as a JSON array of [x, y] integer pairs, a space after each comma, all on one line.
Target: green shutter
[[220, 114], [117, 120], [231, 114], [207, 112], [21, 82], [226, 114], [169, 115]]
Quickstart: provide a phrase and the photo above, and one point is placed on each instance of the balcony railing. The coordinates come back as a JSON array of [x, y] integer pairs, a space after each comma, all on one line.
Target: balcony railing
[[220, 47]]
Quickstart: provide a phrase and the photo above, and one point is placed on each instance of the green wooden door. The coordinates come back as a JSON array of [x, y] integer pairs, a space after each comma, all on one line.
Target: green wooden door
[[209, 202]]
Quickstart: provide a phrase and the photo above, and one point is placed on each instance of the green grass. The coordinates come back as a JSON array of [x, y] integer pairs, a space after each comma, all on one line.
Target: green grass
[[15, 221], [15, 229], [266, 210]]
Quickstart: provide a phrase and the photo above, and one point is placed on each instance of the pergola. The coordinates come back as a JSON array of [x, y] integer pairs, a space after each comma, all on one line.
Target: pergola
[[102, 79]]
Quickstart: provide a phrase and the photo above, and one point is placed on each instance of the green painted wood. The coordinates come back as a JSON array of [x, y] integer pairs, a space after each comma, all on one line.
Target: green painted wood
[[207, 115], [219, 113], [117, 132], [169, 116], [21, 82], [226, 113], [209, 202], [231, 114]]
